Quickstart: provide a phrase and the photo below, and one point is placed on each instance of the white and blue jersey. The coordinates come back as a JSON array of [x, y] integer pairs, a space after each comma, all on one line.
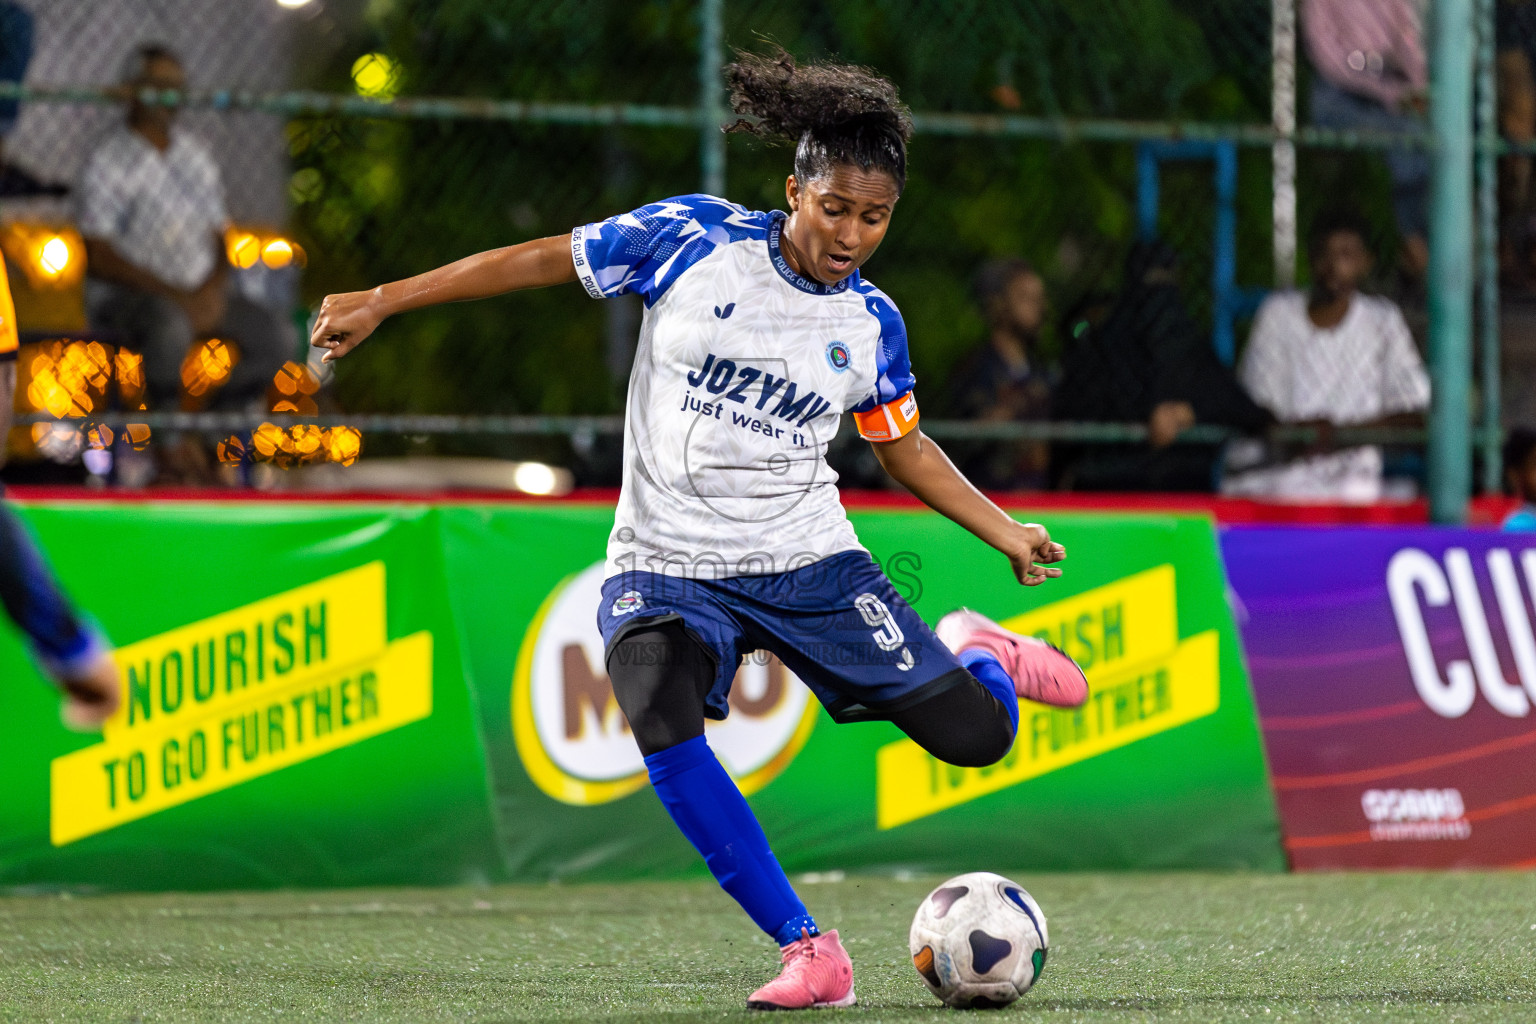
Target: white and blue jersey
[[743, 371]]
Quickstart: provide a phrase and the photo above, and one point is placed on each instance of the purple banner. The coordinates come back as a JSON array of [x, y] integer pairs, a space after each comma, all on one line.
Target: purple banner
[[1395, 676]]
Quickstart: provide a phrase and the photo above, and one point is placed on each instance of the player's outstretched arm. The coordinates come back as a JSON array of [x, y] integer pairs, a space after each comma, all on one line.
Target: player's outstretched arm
[[919, 465], [78, 660], [349, 317], [66, 648]]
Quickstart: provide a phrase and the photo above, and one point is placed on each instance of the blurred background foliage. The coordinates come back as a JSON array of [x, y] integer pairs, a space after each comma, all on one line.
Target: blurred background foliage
[[377, 200]]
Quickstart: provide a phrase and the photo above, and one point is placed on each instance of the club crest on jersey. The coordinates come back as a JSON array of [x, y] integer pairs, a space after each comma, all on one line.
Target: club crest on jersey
[[838, 356], [629, 601]]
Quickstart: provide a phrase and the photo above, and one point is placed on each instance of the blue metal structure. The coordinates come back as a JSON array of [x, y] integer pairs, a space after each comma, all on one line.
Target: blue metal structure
[[1228, 301]]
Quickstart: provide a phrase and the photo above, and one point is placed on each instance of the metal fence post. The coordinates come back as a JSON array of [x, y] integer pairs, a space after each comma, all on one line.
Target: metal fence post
[[1450, 258], [1283, 152], [711, 108], [1487, 250]]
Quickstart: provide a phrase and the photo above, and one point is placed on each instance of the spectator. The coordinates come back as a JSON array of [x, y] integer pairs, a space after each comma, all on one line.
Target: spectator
[[1520, 475], [66, 648], [15, 55], [1372, 74], [1004, 380], [1516, 35], [152, 213], [1148, 363], [1331, 358]]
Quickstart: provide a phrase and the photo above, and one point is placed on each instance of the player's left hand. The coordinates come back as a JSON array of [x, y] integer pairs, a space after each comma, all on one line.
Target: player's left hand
[[1037, 552]]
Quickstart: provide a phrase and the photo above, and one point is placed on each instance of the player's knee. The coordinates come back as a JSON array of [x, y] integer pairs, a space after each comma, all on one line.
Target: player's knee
[[964, 724], [997, 744], [657, 684], [974, 741], [986, 746]]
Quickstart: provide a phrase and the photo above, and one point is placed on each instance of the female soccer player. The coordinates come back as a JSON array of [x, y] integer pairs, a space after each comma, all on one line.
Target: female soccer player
[[758, 333]]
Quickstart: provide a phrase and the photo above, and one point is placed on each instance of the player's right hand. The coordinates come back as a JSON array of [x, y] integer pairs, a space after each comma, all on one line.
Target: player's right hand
[[345, 320], [91, 694]]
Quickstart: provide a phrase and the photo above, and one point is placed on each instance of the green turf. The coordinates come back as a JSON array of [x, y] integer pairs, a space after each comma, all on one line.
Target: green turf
[[1403, 947]]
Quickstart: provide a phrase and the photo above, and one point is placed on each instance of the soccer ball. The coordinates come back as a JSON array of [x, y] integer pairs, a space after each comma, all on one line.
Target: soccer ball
[[979, 941]]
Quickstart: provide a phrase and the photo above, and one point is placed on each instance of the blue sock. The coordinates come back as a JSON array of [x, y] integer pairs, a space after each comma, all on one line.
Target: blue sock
[[990, 672], [712, 813]]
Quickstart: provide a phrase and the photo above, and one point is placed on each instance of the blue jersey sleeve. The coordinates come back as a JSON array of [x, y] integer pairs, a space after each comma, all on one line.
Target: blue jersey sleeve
[[893, 364], [60, 641], [644, 251]]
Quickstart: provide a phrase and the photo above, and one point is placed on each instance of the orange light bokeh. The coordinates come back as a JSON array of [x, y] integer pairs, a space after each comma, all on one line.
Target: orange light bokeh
[[243, 248], [267, 439], [130, 376], [207, 366], [343, 445], [231, 449], [295, 379], [50, 256], [277, 253], [246, 247]]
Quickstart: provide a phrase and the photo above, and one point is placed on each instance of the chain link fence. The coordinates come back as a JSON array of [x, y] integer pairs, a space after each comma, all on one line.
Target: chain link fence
[[379, 138]]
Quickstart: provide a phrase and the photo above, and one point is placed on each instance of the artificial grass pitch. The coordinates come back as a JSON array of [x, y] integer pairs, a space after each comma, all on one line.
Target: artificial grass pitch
[[1133, 947]]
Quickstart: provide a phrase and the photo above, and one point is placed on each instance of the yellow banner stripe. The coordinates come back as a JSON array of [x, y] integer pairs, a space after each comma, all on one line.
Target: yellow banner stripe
[[147, 771], [912, 784], [1112, 628], [206, 666]]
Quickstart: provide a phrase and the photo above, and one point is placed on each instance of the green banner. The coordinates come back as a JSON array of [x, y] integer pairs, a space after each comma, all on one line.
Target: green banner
[[323, 695], [295, 708], [1162, 768]]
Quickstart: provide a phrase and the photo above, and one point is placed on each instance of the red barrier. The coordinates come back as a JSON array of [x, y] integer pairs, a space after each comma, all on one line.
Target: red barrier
[[1484, 511]]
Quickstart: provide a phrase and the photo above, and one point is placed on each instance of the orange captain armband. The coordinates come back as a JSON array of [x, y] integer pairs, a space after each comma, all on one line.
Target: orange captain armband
[[8, 334], [889, 421]]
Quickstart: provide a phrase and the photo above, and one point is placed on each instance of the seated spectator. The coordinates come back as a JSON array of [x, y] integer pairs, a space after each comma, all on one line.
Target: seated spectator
[[1520, 475], [151, 208], [1516, 39], [1330, 358], [15, 55], [1148, 363], [1372, 74], [1004, 380]]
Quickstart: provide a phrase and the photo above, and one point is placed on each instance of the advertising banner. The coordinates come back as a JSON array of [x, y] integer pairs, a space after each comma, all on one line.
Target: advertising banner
[[1162, 768], [332, 695], [294, 708], [1395, 671]]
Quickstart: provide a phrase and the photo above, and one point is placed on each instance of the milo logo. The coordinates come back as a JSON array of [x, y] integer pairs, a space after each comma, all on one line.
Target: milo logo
[[572, 737]]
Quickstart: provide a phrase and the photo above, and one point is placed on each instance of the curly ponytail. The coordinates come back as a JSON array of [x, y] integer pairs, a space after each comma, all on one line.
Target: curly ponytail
[[832, 113]]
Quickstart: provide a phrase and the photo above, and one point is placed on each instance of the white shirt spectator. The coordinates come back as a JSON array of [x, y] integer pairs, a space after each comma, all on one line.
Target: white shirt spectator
[[160, 211], [1361, 370]]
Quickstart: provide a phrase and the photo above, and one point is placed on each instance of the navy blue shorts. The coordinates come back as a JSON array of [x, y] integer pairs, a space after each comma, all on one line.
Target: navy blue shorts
[[838, 624]]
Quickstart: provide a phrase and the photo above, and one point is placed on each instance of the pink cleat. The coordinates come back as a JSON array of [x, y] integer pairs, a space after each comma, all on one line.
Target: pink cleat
[[1041, 671], [817, 974]]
